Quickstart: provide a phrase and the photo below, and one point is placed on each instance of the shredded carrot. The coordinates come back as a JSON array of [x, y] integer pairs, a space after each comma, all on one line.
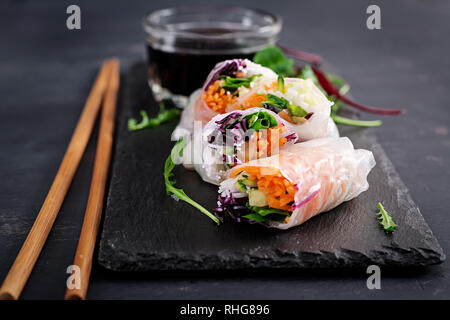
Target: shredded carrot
[[272, 85], [253, 101], [217, 98], [274, 138], [279, 190], [267, 143]]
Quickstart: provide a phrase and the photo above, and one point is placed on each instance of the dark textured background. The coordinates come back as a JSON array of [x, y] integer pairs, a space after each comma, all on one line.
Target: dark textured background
[[45, 75]]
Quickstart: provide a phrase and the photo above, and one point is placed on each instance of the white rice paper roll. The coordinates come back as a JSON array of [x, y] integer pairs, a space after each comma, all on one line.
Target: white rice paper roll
[[326, 172]]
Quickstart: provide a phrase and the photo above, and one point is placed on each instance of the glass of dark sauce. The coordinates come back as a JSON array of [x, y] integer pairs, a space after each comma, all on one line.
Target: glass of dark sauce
[[184, 44]]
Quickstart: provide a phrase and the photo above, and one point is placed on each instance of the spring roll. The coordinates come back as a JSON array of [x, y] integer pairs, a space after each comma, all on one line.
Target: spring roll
[[303, 180], [234, 138], [222, 87]]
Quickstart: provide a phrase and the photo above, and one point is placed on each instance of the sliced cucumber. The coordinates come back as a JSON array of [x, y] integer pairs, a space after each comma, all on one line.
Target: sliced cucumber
[[240, 186], [243, 177], [228, 151], [257, 198], [299, 120], [250, 183]]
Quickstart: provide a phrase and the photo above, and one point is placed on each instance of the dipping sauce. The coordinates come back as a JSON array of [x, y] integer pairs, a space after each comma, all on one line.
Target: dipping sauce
[[184, 44]]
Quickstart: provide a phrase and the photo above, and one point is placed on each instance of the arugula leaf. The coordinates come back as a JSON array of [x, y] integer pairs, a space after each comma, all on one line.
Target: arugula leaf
[[385, 219], [176, 152], [146, 122], [273, 57], [356, 123], [232, 84]]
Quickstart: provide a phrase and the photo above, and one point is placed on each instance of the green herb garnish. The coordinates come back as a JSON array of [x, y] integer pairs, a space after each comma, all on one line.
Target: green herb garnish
[[264, 214], [261, 120], [385, 219], [176, 152], [282, 103], [280, 83], [146, 122], [273, 57], [232, 84], [275, 101]]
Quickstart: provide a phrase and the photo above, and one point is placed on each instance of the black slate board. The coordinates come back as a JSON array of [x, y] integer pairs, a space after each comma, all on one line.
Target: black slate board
[[144, 229]]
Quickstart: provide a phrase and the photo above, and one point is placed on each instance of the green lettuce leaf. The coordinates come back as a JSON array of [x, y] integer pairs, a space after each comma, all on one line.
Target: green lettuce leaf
[[273, 57]]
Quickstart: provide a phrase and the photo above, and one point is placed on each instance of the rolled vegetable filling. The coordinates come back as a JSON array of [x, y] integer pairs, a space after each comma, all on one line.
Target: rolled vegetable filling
[[262, 194], [234, 138], [303, 180], [253, 136], [231, 79], [217, 98], [224, 92]]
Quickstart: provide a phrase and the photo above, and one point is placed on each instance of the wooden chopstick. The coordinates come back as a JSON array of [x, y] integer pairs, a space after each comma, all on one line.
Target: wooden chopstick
[[92, 217], [29, 253]]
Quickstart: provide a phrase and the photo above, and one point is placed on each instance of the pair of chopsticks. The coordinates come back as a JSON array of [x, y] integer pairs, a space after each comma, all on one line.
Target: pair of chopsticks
[[105, 90]]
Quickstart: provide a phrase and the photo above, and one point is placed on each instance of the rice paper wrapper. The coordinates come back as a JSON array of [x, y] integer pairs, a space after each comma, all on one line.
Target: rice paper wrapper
[[196, 110], [207, 157], [332, 129], [326, 172]]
